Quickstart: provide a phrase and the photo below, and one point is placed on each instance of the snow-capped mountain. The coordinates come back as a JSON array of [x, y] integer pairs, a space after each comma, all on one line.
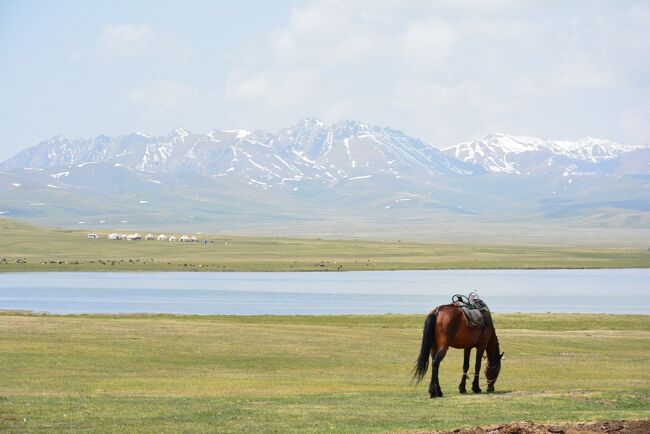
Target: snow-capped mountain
[[529, 155], [310, 150], [313, 150], [351, 173]]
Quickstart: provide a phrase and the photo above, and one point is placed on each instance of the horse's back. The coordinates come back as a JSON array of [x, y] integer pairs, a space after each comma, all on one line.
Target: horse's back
[[452, 328]]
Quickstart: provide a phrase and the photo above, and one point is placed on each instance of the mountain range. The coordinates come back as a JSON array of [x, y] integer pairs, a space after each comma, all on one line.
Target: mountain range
[[313, 172], [503, 153], [316, 151]]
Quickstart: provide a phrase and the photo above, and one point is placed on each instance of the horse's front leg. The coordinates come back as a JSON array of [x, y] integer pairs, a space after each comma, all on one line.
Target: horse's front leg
[[462, 388], [434, 388], [477, 369]]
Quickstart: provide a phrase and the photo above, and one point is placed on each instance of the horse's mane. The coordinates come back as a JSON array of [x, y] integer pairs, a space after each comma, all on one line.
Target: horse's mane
[[497, 350]]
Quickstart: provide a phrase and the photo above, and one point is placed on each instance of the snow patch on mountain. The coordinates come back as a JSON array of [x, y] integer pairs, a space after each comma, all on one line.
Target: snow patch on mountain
[[506, 153], [240, 134], [312, 150], [309, 150]]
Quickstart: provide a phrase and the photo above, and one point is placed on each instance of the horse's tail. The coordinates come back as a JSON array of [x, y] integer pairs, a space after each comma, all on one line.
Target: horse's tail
[[428, 335]]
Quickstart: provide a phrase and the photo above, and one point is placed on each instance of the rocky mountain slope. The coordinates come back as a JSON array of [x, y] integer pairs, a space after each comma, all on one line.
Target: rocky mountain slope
[[312, 150], [352, 175], [309, 150]]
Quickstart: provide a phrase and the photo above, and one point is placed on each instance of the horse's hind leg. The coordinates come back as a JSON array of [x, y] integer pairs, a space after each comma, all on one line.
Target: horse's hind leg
[[461, 387], [477, 369], [434, 388]]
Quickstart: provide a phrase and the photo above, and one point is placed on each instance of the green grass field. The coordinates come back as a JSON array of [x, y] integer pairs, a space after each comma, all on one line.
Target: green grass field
[[306, 374], [29, 248]]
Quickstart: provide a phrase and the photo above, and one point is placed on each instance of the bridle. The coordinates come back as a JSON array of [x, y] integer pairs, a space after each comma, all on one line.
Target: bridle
[[488, 366]]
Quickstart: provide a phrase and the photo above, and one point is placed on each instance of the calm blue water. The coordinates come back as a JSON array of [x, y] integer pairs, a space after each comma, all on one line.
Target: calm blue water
[[596, 291]]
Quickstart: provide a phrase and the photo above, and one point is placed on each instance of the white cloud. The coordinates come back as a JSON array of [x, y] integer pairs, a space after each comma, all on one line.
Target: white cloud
[[446, 69], [266, 98], [326, 34], [427, 44], [141, 41], [275, 87], [161, 96], [128, 39], [243, 85], [576, 75]]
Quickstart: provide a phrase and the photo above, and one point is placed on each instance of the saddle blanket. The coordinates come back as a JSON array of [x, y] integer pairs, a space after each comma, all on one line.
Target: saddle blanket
[[477, 315]]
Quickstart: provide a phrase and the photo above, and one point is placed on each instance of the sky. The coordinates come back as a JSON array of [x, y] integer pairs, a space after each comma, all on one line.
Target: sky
[[444, 71]]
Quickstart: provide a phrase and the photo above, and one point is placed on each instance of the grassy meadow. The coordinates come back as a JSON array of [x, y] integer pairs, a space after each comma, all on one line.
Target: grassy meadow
[[25, 247], [306, 373]]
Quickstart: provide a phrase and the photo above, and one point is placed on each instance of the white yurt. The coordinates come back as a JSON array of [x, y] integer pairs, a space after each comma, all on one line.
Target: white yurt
[[162, 237], [172, 239], [185, 239], [194, 239], [149, 237], [114, 237]]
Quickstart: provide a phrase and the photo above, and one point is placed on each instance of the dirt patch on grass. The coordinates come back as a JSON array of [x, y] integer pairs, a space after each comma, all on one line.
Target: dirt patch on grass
[[609, 427]]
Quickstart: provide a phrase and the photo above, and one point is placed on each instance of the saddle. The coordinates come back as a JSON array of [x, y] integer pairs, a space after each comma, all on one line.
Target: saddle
[[475, 311]]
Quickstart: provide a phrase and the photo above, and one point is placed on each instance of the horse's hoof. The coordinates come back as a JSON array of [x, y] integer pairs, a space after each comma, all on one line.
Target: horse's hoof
[[432, 395], [490, 389], [463, 390], [439, 394], [477, 390]]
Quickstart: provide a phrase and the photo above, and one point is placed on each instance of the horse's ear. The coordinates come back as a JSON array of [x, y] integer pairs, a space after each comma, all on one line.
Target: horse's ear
[[501, 356]]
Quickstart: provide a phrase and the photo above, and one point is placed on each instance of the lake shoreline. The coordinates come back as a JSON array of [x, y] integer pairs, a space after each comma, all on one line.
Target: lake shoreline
[[280, 317], [298, 271]]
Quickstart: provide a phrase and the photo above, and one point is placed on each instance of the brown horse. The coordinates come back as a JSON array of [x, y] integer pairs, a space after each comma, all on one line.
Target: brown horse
[[446, 327]]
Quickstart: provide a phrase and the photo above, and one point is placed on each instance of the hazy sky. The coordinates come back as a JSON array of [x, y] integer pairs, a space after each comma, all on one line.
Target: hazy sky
[[443, 71]]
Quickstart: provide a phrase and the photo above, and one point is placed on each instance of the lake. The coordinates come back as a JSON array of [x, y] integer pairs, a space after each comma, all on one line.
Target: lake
[[310, 293]]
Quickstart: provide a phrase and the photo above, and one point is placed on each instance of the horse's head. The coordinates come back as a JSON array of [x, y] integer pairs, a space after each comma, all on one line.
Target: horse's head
[[493, 368]]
